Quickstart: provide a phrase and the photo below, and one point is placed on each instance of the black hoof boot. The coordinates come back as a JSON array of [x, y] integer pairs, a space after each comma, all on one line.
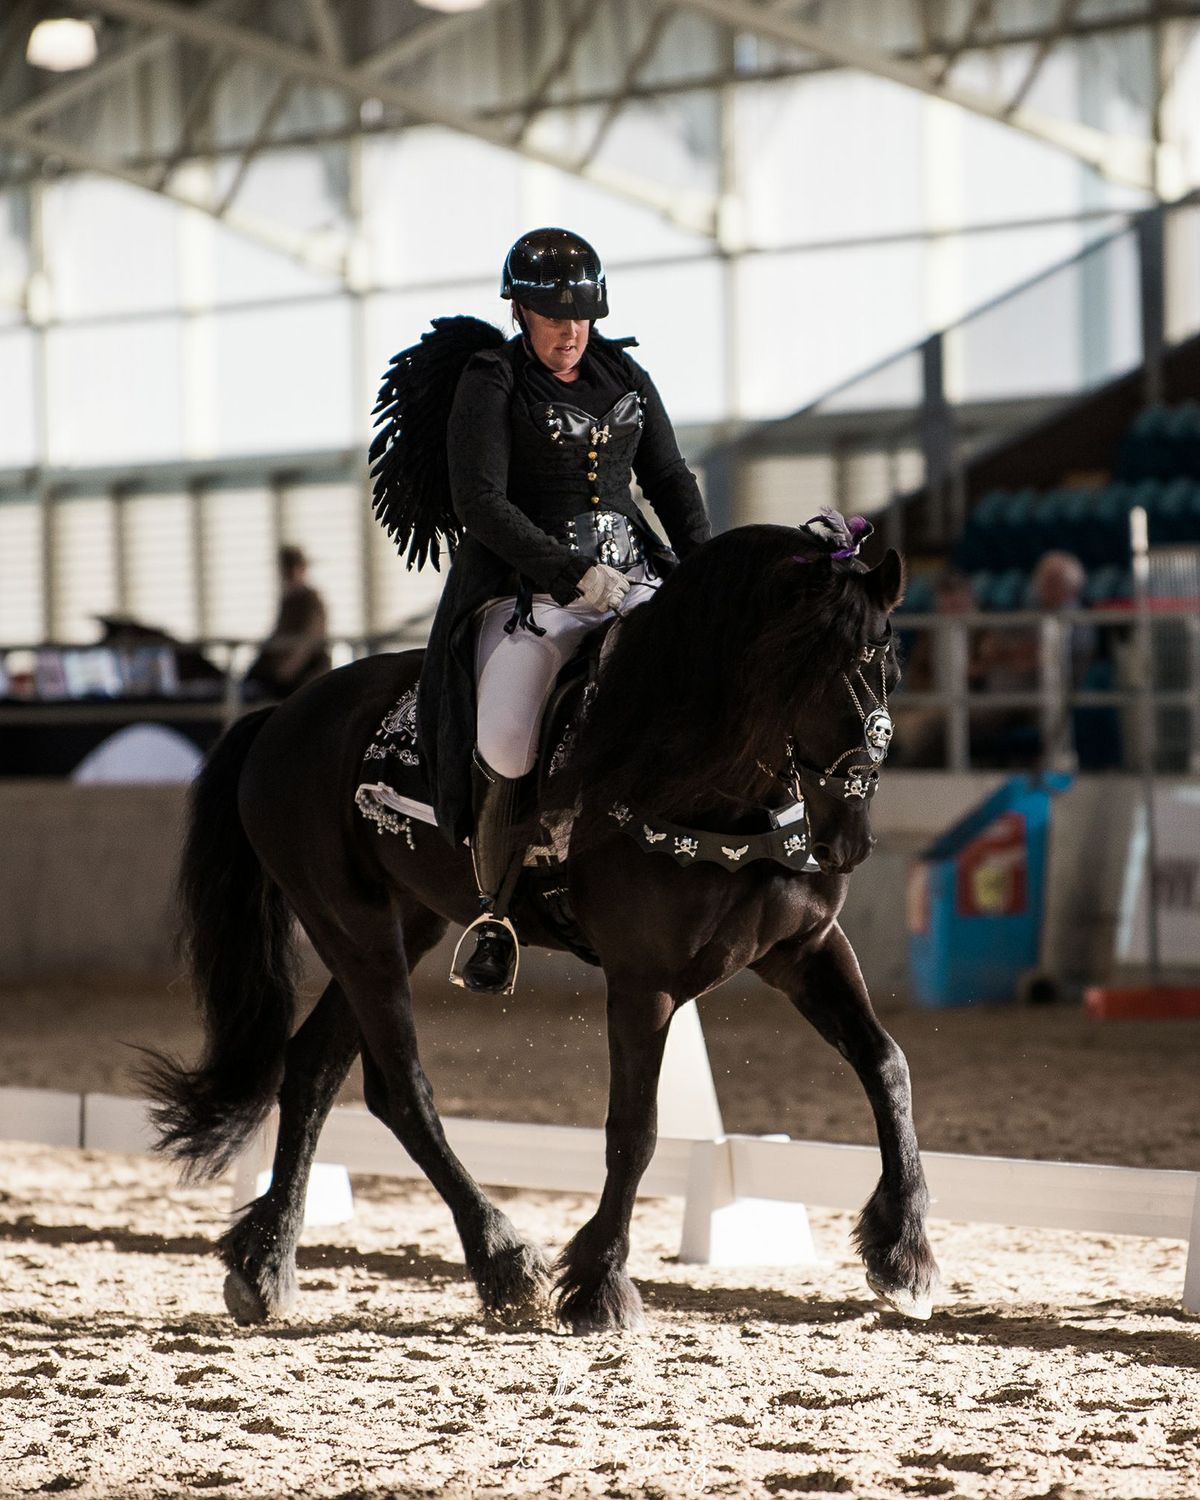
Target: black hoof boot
[[492, 967]]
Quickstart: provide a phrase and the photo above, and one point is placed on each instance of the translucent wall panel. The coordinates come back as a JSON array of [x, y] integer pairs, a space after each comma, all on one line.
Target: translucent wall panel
[[282, 378], [292, 188], [20, 572], [836, 156], [396, 319], [160, 582], [326, 520], [18, 399], [621, 230], [83, 566], [239, 564], [115, 392], [809, 319], [109, 247], [243, 271], [1069, 331], [677, 314], [985, 266], [785, 491], [440, 207], [14, 254], [399, 594]]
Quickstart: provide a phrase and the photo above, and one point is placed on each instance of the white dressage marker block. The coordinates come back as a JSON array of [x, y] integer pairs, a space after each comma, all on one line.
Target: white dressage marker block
[[687, 1097], [722, 1229], [329, 1200]]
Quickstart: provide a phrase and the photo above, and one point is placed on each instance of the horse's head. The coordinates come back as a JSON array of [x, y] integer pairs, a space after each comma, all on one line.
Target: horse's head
[[839, 747]]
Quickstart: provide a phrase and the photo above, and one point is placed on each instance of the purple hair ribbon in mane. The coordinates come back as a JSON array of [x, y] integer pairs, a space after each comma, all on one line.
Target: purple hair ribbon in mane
[[834, 535]]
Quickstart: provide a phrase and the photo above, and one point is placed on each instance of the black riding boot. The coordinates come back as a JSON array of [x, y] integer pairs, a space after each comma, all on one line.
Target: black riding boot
[[492, 967]]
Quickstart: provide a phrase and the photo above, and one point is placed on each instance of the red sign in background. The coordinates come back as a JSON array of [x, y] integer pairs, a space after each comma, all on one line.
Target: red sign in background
[[991, 873]]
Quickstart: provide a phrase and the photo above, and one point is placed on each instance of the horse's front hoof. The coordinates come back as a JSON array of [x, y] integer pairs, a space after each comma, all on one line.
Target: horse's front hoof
[[515, 1284], [245, 1303], [901, 1299], [610, 1305]]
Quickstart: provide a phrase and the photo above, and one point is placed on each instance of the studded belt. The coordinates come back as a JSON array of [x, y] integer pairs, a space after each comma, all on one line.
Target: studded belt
[[605, 535]]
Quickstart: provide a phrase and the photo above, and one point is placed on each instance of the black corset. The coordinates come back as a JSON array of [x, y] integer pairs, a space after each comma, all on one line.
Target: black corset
[[565, 461]]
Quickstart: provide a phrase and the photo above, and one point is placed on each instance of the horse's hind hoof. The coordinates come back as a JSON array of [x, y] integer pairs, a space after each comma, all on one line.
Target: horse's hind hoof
[[899, 1299], [243, 1301]]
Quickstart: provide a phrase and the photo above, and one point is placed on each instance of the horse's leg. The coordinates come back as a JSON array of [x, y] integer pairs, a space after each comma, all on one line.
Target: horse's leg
[[363, 948], [827, 988], [260, 1249], [594, 1292]]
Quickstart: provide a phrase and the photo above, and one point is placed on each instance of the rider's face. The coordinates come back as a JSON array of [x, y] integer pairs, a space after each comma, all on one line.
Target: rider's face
[[558, 342]]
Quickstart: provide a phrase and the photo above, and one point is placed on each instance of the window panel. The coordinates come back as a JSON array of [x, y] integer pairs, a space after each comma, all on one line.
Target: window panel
[[326, 520], [114, 392], [240, 568], [83, 564], [282, 379], [160, 582], [20, 571], [110, 247], [18, 418]]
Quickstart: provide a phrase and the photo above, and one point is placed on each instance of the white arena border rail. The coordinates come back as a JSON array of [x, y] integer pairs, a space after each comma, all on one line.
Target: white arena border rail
[[744, 1196]]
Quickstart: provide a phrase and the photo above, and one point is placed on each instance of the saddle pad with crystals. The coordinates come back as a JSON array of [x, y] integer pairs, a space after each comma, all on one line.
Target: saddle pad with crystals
[[394, 793]]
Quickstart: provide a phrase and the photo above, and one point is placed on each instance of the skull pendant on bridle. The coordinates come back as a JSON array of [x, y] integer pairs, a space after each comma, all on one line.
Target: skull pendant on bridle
[[878, 731]]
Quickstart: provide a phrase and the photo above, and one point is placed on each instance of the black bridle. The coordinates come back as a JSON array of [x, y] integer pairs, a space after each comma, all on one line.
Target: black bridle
[[861, 777]]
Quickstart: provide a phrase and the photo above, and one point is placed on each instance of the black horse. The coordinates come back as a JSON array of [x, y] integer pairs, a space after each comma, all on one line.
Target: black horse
[[737, 675]]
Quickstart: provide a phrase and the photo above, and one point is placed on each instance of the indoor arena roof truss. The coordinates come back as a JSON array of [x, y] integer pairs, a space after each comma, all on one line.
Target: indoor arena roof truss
[[549, 79]]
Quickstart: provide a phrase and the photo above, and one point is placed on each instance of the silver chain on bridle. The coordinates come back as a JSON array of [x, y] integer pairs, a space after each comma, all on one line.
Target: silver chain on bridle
[[861, 779]]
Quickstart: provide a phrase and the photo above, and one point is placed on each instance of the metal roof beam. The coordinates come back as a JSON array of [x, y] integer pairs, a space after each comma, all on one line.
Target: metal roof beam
[[694, 212], [312, 251], [1122, 159], [111, 65]]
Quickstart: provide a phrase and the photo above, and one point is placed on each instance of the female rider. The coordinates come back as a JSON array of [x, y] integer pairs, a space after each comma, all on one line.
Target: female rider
[[543, 437]]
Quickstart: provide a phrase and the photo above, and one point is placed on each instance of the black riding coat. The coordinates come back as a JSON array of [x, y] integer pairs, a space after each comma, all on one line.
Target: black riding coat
[[520, 467]]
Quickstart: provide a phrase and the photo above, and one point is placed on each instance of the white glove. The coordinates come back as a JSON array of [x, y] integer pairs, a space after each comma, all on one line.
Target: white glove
[[603, 587]]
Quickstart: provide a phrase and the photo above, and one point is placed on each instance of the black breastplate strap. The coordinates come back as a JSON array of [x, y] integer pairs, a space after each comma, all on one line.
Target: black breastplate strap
[[786, 844]]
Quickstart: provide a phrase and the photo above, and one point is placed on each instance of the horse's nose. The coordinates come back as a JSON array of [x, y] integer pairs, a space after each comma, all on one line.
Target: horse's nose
[[842, 856]]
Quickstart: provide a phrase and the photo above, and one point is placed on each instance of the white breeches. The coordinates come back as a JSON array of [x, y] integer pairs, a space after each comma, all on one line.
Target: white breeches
[[515, 674]]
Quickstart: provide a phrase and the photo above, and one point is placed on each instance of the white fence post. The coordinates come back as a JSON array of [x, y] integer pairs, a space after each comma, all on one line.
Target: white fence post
[[1191, 1276]]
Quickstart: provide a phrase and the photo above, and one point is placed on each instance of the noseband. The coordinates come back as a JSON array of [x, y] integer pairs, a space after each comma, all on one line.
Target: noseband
[[862, 776]]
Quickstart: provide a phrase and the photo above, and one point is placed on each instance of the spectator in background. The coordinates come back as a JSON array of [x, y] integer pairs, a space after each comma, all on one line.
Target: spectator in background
[[295, 652], [1008, 661]]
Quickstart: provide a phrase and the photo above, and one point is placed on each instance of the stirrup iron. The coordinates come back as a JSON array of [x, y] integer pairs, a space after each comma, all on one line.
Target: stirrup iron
[[486, 919]]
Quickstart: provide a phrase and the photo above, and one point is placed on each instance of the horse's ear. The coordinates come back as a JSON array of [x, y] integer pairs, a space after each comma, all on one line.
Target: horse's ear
[[885, 583]]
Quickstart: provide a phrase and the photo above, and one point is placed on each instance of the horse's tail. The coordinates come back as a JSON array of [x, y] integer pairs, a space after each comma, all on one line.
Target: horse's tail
[[236, 934]]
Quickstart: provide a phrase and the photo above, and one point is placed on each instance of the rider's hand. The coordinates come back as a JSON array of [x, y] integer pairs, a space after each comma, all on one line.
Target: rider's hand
[[603, 587]]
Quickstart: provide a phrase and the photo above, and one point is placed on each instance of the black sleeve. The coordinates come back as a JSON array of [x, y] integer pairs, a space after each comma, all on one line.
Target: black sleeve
[[478, 439], [666, 481]]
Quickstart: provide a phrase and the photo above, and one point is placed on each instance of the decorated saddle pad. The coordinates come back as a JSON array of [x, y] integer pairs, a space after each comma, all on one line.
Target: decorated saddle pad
[[394, 791]]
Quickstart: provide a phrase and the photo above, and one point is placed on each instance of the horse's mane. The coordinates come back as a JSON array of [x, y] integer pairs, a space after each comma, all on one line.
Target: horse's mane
[[702, 686]]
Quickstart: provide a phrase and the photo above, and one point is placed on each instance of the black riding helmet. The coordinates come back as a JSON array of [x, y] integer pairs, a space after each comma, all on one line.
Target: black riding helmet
[[557, 274]]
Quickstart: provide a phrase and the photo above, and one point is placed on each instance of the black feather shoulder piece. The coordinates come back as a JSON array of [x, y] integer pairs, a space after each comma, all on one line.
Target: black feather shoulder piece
[[409, 472]]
